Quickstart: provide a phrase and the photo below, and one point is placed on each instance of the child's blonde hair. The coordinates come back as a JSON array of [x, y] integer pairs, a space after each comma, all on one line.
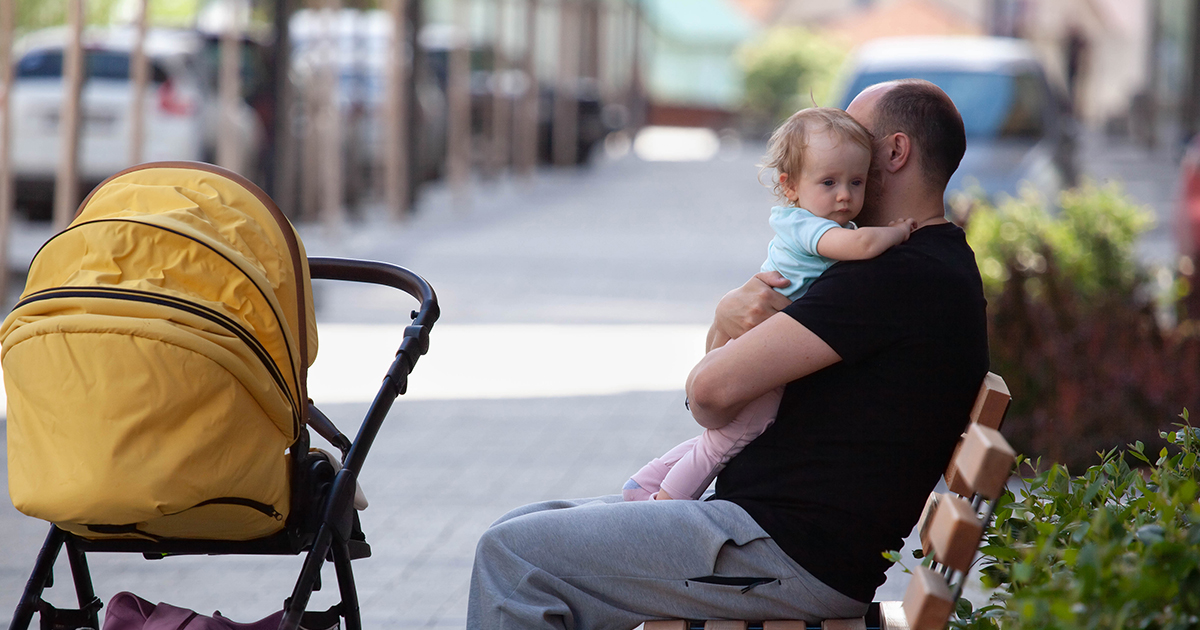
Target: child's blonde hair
[[785, 149]]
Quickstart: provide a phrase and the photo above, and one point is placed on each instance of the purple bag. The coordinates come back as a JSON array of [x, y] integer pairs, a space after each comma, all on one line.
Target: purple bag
[[127, 611]]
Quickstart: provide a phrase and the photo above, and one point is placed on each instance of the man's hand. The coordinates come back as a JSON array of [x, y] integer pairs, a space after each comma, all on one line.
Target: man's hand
[[749, 305]]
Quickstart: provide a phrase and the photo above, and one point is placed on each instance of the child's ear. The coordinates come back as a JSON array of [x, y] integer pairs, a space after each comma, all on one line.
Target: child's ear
[[789, 189]]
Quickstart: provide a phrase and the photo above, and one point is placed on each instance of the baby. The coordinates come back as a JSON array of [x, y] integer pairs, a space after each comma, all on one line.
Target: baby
[[822, 156]]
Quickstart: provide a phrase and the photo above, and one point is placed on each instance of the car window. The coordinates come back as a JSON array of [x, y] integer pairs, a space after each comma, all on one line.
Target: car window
[[992, 104], [101, 64]]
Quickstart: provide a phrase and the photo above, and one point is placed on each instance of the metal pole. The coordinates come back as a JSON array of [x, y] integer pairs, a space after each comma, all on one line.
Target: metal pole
[[396, 129], [139, 70], [6, 183], [566, 107], [458, 140], [66, 183], [229, 90]]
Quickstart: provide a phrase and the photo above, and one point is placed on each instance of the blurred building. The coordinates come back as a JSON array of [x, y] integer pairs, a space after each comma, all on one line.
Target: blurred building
[[692, 77]]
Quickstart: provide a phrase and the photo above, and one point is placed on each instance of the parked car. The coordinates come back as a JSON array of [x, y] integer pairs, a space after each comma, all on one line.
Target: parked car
[[1018, 124], [181, 117]]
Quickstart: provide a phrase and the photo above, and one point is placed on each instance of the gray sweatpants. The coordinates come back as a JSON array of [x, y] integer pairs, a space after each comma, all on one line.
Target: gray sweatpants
[[602, 563]]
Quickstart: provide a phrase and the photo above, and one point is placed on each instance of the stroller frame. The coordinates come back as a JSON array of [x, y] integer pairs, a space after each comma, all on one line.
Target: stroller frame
[[323, 523]]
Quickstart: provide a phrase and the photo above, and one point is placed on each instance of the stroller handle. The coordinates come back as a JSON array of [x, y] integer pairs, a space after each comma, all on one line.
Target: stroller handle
[[415, 343], [375, 272]]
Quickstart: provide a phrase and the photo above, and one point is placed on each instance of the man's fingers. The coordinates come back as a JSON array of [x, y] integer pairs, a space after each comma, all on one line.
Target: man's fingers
[[772, 279]]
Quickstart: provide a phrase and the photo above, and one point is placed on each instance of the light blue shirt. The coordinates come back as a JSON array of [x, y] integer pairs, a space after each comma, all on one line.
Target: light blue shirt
[[793, 251]]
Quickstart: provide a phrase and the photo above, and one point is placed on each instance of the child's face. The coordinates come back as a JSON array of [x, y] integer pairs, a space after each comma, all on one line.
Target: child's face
[[833, 178]]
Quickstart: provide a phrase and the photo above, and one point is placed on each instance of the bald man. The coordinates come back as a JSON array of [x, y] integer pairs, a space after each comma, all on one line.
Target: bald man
[[881, 360]]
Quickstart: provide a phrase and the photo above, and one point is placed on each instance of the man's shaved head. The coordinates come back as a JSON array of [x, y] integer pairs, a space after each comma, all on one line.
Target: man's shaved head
[[923, 112]]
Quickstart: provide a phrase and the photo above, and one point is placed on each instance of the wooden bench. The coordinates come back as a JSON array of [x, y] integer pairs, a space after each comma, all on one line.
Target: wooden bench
[[951, 527]]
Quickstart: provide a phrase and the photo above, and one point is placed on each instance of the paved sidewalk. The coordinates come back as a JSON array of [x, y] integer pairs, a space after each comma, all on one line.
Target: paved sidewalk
[[610, 252]]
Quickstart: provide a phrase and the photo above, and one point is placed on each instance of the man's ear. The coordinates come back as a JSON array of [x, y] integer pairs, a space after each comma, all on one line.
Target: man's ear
[[897, 151]]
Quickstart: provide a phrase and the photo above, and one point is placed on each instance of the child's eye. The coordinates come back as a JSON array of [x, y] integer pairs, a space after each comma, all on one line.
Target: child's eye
[[828, 182], [857, 182]]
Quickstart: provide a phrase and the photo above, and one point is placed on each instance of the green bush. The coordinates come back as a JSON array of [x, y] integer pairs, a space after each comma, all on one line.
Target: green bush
[[1116, 547], [785, 70], [1072, 324]]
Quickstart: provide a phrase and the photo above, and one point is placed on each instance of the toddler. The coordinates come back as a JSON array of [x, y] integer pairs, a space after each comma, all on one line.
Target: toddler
[[822, 156]]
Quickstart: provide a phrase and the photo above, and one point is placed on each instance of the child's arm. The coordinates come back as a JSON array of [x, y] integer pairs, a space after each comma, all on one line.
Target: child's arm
[[864, 243]]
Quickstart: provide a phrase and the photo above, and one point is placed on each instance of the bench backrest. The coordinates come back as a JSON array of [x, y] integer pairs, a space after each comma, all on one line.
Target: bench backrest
[[953, 523]]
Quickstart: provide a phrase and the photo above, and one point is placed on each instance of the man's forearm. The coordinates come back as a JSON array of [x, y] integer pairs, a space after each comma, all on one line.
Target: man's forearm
[[770, 355], [715, 340]]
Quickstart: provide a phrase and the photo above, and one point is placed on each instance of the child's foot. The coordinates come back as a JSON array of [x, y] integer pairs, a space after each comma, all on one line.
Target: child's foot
[[633, 492]]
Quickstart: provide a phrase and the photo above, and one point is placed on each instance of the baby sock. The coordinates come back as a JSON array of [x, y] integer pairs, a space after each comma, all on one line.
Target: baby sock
[[646, 481]]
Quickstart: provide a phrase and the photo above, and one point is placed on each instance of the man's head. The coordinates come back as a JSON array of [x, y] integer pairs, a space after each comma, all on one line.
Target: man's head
[[919, 141]]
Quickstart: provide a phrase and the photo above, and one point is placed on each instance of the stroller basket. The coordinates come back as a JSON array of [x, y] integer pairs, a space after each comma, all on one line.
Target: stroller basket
[[264, 333]]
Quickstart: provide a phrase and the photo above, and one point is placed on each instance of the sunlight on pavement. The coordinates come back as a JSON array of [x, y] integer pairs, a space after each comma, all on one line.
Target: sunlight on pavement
[[505, 361], [676, 144], [508, 360]]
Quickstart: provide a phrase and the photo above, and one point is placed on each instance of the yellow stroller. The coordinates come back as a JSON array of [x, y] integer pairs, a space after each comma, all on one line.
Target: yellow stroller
[[157, 401]]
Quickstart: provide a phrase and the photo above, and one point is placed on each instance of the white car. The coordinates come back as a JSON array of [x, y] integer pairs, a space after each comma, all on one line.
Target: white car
[[181, 117]]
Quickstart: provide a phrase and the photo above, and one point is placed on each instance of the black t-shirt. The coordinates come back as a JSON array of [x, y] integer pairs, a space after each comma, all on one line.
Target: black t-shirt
[[843, 473]]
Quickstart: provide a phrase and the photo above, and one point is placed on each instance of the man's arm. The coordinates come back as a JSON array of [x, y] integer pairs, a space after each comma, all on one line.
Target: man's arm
[[746, 307], [863, 243], [774, 353]]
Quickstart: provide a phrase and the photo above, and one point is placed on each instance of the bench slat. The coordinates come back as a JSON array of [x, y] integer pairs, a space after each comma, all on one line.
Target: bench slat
[[991, 403], [985, 461], [857, 623], [784, 624], [724, 624], [927, 602], [665, 624], [891, 616], [954, 533]]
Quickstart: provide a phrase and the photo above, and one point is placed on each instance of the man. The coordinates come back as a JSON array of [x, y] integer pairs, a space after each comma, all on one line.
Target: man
[[881, 359]]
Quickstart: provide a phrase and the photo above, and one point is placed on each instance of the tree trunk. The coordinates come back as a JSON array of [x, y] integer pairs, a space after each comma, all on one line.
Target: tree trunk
[[229, 91], [458, 79], [501, 107], [566, 106], [283, 181], [139, 73], [526, 133], [396, 129], [6, 181], [329, 121], [66, 183]]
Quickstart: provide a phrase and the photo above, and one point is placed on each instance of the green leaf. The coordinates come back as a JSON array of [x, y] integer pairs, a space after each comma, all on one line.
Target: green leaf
[[1022, 572], [1150, 534], [963, 608]]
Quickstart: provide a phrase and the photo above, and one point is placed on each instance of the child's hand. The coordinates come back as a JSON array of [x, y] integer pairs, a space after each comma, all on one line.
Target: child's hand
[[910, 226]]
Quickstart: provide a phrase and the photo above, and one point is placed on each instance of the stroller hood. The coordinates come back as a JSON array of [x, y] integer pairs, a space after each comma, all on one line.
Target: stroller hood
[[157, 360]]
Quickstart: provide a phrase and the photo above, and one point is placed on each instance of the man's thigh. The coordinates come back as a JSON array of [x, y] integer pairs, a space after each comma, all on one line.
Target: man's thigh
[[642, 560]]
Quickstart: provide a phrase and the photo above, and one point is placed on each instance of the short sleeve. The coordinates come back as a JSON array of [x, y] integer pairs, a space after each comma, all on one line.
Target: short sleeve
[[854, 307], [799, 229]]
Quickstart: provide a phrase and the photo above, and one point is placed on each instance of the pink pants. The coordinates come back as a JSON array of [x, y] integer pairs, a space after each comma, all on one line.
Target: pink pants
[[685, 471]]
